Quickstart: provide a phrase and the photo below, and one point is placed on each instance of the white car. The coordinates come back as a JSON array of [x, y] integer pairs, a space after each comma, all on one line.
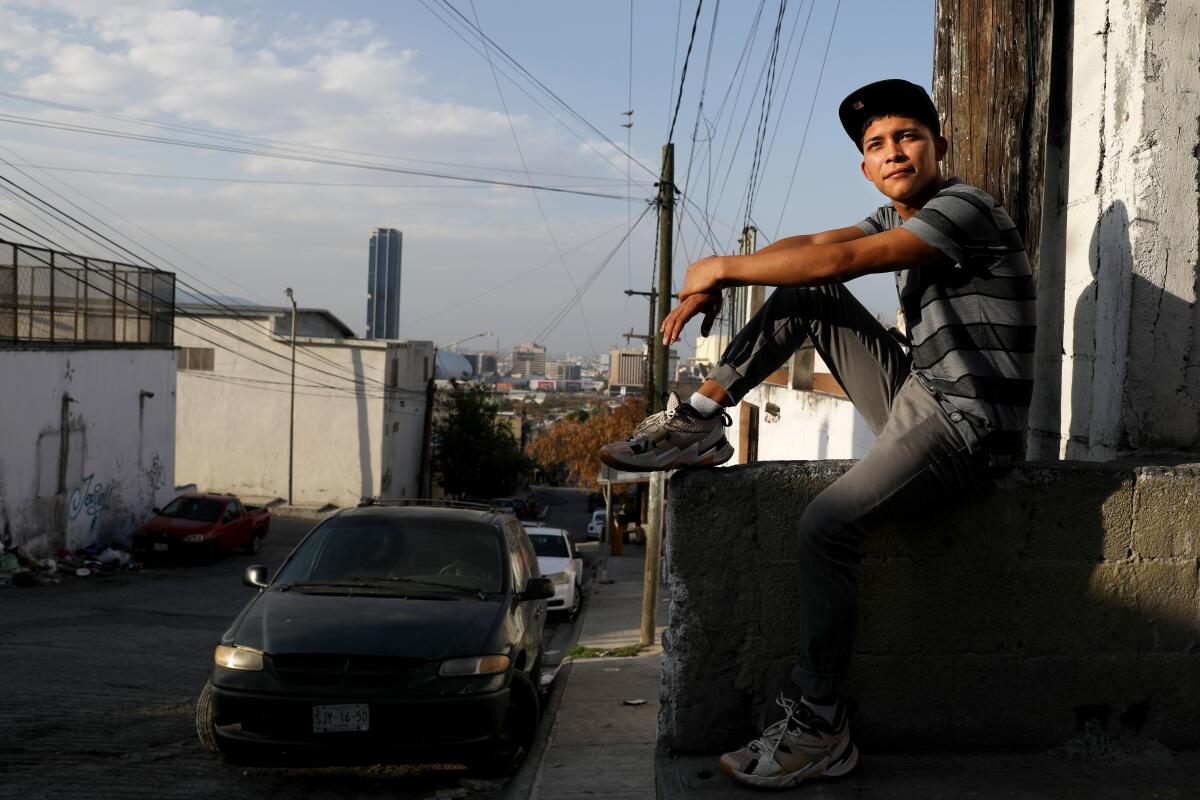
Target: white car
[[596, 526], [559, 562]]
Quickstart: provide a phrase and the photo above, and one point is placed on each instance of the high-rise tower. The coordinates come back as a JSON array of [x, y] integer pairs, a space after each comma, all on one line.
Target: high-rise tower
[[383, 284]]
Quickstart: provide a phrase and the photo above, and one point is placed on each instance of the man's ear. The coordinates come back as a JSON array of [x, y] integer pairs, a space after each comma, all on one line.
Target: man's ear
[[863, 167], [940, 146]]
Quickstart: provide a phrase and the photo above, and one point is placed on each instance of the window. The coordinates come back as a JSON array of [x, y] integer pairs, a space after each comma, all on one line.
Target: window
[[196, 358]]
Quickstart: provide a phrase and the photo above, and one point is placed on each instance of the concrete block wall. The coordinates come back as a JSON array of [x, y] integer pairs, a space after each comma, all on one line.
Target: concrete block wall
[[1055, 593]]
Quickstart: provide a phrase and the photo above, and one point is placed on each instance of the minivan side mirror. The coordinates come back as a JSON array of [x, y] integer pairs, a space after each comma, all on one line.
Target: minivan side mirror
[[537, 589], [255, 576]]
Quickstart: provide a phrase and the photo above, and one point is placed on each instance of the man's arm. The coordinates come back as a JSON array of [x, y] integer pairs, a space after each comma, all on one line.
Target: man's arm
[[812, 265], [835, 236]]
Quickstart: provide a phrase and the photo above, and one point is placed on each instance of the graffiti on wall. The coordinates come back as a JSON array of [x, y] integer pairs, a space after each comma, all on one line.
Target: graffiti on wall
[[90, 497], [154, 475]]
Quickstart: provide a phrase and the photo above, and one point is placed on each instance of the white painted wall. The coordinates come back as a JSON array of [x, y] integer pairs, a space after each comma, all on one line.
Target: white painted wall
[[350, 442], [811, 426], [120, 455], [1118, 342]]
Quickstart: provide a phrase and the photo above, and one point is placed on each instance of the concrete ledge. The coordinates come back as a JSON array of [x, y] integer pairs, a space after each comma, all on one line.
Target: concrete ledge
[[1056, 593]]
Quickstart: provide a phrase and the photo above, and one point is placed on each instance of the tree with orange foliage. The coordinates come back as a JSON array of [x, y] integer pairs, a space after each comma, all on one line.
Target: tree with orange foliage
[[572, 443]]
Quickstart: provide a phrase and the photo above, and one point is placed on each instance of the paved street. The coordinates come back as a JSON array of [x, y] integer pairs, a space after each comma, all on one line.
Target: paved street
[[100, 678]]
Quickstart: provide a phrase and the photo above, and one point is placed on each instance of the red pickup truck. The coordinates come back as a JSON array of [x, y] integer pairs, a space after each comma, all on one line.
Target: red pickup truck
[[205, 525]]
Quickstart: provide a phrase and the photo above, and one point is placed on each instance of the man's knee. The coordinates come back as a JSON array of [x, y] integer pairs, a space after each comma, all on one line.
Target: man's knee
[[826, 528]]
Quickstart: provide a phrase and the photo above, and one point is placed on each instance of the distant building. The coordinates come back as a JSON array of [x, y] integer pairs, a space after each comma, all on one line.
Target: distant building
[[482, 363], [359, 406], [383, 284], [563, 371], [529, 359], [627, 370]]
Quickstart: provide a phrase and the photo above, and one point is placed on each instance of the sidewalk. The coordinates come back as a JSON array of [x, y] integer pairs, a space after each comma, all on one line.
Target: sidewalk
[[599, 747]]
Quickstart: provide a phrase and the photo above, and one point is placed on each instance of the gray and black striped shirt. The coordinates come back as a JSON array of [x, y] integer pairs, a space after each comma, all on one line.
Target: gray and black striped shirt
[[971, 319]]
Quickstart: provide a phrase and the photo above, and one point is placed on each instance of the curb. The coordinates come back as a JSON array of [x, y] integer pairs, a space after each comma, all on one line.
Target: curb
[[523, 783]]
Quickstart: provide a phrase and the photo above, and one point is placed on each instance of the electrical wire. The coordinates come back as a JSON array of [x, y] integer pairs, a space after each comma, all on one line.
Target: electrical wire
[[109, 244], [532, 79], [541, 210], [94, 131], [807, 122], [275, 143], [683, 74]]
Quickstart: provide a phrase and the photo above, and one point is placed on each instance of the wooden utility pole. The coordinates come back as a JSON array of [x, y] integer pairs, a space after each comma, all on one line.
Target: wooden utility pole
[[991, 83], [654, 528]]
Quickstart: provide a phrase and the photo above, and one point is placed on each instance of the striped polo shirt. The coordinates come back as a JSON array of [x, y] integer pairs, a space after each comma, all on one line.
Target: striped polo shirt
[[971, 318]]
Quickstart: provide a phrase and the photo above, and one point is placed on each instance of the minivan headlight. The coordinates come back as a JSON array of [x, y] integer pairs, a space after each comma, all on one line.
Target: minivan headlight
[[478, 665], [560, 578], [238, 657]]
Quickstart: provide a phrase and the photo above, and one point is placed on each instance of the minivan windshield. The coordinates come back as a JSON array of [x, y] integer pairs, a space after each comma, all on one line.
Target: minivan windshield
[[549, 545], [197, 509], [420, 554]]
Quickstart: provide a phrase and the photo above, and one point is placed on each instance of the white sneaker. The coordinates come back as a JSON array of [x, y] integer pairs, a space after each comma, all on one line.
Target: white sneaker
[[798, 747]]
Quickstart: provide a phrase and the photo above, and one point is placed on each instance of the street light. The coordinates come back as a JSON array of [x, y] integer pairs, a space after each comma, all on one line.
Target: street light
[[292, 412], [426, 483]]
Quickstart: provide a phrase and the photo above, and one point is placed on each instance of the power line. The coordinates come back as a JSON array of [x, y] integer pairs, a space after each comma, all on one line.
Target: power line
[[90, 130], [683, 74], [139, 291], [543, 87], [765, 112], [807, 122], [520, 152], [83, 226], [278, 144], [278, 182]]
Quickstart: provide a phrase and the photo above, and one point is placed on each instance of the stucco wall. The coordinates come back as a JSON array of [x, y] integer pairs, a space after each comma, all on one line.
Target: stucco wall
[[119, 456], [355, 436], [810, 425], [1058, 593], [1118, 354]]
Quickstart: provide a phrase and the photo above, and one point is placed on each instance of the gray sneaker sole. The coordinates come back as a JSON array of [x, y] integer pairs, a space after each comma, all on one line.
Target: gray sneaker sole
[[674, 458]]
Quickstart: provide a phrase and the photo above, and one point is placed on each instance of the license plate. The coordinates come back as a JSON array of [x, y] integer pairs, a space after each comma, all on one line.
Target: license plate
[[344, 717], [160, 547]]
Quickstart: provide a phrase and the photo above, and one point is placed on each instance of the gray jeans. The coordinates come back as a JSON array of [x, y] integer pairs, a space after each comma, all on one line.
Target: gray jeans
[[919, 459]]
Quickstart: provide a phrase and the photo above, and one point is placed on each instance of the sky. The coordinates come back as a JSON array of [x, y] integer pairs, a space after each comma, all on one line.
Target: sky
[[314, 117]]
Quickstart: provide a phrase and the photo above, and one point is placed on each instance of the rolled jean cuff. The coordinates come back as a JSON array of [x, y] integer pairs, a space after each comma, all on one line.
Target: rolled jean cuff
[[728, 379], [816, 684]]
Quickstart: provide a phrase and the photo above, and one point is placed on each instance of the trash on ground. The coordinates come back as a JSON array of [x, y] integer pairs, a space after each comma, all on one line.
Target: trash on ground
[[635, 702]]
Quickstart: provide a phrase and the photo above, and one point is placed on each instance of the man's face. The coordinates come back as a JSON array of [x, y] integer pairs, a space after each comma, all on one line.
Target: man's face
[[900, 156]]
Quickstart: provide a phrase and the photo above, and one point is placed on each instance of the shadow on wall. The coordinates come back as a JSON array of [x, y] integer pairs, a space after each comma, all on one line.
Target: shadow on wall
[[1129, 387], [366, 485], [1036, 605]]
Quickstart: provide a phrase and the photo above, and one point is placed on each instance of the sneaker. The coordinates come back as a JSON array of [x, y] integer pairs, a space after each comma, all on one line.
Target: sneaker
[[798, 747], [673, 438]]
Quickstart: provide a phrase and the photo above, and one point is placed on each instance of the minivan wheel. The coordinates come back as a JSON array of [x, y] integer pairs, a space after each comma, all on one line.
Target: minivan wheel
[[206, 730], [506, 749]]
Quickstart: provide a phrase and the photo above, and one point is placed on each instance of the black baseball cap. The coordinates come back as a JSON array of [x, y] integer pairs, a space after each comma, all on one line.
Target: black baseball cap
[[892, 97]]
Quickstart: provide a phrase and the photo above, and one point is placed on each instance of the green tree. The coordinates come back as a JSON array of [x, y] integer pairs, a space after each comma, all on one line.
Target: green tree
[[475, 453]]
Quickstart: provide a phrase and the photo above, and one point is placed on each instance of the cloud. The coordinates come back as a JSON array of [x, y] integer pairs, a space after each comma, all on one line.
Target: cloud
[[336, 84]]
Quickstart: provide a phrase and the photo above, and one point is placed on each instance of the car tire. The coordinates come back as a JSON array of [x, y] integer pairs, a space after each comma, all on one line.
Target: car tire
[[503, 753], [206, 731], [577, 603], [254, 543]]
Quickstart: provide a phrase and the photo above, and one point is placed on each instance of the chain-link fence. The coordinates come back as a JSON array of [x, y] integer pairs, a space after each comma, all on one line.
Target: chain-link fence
[[47, 296]]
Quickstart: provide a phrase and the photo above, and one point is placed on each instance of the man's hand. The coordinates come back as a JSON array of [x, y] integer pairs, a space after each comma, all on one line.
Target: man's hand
[[707, 304], [703, 277]]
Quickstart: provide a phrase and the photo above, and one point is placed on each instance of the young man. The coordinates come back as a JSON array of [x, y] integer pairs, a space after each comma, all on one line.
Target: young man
[[942, 407]]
